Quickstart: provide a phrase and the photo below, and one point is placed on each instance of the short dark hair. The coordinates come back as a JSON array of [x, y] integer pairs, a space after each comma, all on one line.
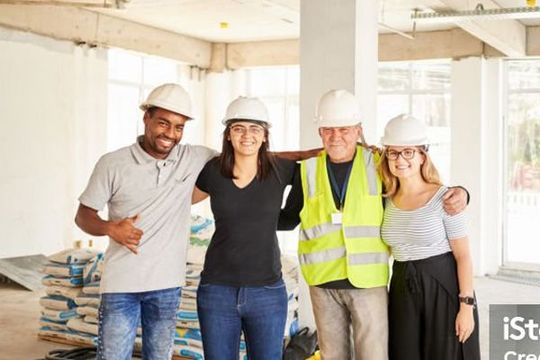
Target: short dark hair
[[266, 164]]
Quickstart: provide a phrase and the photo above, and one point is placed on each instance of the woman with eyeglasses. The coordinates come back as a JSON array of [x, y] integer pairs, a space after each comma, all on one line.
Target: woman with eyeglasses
[[432, 307], [241, 287]]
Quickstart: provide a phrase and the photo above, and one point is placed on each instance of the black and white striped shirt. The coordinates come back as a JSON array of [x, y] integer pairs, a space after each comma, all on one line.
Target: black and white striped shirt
[[423, 232]]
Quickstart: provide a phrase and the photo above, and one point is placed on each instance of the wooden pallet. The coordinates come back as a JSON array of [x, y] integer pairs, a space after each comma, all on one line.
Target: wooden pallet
[[60, 340]]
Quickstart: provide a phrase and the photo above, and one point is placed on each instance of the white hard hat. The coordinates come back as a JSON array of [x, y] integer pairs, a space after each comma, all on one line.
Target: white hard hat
[[404, 130], [170, 97], [337, 108], [247, 108]]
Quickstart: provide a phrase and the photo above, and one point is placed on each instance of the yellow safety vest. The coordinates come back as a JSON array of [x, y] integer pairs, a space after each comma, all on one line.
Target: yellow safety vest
[[353, 249]]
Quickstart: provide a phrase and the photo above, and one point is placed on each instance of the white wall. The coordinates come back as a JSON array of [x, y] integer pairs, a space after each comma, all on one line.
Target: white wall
[[52, 130]]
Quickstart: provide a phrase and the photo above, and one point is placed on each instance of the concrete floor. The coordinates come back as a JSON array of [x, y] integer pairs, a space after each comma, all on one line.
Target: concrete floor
[[19, 313]]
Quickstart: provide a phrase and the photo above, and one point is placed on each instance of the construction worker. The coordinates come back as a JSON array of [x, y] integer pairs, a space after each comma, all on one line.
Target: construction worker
[[241, 287], [431, 292], [337, 199], [147, 188]]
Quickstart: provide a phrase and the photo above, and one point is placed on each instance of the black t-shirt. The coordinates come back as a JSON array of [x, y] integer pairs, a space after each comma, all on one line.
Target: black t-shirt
[[290, 216], [244, 249]]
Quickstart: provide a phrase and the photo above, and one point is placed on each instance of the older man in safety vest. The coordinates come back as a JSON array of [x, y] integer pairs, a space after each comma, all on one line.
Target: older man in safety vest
[[337, 199]]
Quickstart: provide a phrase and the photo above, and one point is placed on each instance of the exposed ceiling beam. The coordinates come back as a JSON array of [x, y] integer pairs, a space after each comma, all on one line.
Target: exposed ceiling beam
[[454, 43], [533, 40], [262, 53], [78, 3], [507, 36], [86, 26]]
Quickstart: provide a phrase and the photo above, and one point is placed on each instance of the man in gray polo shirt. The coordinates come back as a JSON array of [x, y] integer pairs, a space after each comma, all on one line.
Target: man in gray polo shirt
[[147, 188]]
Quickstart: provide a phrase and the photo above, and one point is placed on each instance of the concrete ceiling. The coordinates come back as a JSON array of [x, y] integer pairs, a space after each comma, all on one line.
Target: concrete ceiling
[[257, 20], [260, 32]]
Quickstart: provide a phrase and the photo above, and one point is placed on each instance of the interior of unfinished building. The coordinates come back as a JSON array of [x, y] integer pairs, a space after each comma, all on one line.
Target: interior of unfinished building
[[73, 74]]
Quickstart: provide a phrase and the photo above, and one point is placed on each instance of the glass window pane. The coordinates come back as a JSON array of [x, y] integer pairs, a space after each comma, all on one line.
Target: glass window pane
[[524, 74], [389, 106], [276, 111], [267, 82], [124, 115], [124, 66], [431, 76], [434, 109], [522, 175], [393, 76], [293, 80], [158, 71]]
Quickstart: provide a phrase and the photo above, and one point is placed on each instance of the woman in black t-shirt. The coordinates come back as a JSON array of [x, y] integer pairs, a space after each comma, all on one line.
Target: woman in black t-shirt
[[241, 287]]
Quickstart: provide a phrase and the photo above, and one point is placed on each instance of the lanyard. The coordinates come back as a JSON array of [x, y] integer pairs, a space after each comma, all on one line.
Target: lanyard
[[335, 187]]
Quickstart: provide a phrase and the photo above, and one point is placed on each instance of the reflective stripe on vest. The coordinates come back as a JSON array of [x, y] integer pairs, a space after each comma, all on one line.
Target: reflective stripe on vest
[[311, 170], [350, 231], [371, 172], [368, 258], [335, 254], [322, 256]]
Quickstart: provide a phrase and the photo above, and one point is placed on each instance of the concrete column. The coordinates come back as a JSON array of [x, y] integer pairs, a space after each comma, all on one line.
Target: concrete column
[[338, 49], [492, 234], [473, 100]]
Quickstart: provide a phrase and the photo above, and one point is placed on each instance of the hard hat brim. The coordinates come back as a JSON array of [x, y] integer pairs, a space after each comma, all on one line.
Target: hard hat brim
[[165, 106]]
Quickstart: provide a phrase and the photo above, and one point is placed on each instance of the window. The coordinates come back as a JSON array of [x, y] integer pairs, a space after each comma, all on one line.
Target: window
[[422, 89], [522, 163]]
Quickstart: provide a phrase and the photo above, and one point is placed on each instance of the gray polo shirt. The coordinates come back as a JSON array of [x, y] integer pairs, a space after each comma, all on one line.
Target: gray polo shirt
[[130, 182]]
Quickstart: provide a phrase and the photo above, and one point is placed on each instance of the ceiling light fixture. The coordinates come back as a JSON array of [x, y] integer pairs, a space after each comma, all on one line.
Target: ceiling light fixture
[[479, 13]]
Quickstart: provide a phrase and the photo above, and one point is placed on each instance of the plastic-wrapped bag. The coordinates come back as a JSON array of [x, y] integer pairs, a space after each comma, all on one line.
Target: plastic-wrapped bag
[[93, 269], [57, 302], [73, 256], [63, 270], [73, 282]]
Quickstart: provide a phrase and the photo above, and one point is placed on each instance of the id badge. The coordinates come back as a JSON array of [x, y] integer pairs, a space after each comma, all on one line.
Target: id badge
[[337, 218]]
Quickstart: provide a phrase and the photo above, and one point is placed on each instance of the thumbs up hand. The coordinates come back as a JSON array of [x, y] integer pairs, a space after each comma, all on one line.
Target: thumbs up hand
[[125, 233]]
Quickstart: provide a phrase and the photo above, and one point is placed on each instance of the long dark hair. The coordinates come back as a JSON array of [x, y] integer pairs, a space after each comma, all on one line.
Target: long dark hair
[[266, 162]]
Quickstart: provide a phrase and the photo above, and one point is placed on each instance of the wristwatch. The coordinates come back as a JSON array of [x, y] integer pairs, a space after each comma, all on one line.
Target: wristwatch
[[469, 300]]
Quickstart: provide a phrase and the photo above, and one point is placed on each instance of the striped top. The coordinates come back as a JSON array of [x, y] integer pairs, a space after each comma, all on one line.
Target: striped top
[[423, 232]]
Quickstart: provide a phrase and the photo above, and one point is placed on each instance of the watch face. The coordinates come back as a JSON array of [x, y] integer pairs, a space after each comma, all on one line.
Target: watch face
[[467, 300]]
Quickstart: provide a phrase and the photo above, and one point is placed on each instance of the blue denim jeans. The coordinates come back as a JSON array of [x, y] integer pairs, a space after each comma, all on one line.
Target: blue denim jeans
[[121, 313], [226, 311]]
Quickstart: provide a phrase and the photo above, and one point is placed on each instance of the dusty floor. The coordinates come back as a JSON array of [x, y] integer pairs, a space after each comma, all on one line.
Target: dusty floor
[[19, 312]]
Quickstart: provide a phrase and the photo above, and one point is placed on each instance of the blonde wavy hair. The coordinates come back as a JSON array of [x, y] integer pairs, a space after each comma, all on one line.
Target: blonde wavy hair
[[391, 182]]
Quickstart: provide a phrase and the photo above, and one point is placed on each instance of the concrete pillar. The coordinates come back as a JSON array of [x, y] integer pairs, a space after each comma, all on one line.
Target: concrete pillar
[[338, 49], [475, 121], [492, 236]]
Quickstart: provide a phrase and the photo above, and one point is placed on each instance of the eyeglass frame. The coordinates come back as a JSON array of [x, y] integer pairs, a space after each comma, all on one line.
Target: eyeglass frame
[[421, 149], [252, 129]]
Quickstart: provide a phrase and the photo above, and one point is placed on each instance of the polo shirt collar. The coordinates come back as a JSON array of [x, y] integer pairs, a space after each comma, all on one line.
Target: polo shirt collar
[[142, 157]]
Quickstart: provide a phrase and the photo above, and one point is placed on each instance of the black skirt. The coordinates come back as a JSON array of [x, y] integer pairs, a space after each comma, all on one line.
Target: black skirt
[[423, 305]]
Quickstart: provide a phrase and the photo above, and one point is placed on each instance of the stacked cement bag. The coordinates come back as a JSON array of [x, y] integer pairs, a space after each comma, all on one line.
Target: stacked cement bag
[[289, 270], [188, 340], [64, 284], [88, 301]]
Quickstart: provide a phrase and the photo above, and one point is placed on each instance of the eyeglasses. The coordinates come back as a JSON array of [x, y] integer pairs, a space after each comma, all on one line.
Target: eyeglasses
[[242, 130], [407, 154]]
